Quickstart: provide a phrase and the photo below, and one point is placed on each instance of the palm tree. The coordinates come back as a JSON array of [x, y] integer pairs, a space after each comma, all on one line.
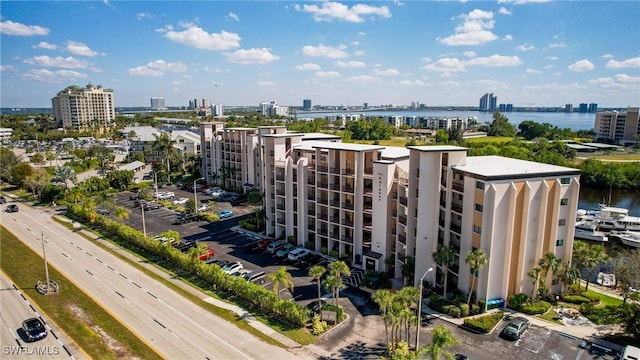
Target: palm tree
[[594, 257], [445, 256], [121, 213], [316, 272], [384, 299], [549, 261], [338, 269], [476, 259], [50, 156], [567, 275], [64, 174], [441, 339], [281, 277], [332, 283], [164, 144], [105, 200], [534, 275]]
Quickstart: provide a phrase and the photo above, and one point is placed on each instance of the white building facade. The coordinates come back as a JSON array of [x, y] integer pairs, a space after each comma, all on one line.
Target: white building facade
[[84, 109]]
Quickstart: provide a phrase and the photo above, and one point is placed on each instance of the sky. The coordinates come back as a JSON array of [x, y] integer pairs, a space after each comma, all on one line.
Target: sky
[[437, 53]]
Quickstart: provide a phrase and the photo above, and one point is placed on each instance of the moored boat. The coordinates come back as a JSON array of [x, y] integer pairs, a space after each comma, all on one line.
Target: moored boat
[[588, 230], [629, 238], [610, 218]]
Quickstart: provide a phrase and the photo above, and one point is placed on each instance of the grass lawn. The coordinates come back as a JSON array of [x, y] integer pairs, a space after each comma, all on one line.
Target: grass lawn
[[92, 328], [490, 139], [625, 157]]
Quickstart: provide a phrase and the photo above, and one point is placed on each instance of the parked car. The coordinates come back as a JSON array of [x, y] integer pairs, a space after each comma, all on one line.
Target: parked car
[[186, 218], [103, 211], [203, 207], [180, 201], [232, 267], [241, 273], [271, 248], [151, 206], [225, 214], [12, 208], [298, 253], [216, 193], [516, 327], [212, 189], [316, 306], [34, 329], [283, 251], [139, 202], [255, 276], [207, 254], [3, 200]]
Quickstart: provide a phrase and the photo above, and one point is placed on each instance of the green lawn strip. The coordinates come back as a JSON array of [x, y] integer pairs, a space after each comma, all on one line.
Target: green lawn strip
[[629, 157], [490, 139], [71, 309], [550, 316], [299, 335], [223, 313]]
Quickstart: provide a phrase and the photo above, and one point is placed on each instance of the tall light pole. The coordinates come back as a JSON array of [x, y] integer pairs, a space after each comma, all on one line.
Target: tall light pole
[[420, 308], [144, 226], [195, 193], [46, 267]]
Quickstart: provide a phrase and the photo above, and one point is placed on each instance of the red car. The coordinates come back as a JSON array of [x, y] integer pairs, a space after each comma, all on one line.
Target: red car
[[207, 254]]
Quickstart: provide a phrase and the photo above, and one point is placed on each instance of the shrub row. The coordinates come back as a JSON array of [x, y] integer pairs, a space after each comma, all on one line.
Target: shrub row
[[253, 294], [576, 299], [446, 307], [484, 324], [538, 307]]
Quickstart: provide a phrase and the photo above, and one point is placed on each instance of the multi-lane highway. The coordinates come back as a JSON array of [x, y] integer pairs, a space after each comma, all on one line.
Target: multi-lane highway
[[166, 321], [16, 308]]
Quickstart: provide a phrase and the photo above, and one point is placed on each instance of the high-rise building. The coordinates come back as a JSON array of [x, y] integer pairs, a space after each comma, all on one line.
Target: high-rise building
[[568, 108], [488, 102], [593, 108], [583, 108], [216, 110], [157, 103], [87, 108], [382, 208], [505, 107], [306, 104], [273, 109], [618, 127]]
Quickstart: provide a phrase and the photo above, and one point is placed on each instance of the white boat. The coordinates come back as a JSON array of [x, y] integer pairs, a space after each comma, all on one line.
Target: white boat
[[588, 230], [629, 238], [610, 218]]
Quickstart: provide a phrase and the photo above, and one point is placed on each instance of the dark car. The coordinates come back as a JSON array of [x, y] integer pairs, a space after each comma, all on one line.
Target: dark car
[[12, 208], [151, 206], [186, 218], [103, 211], [3, 200], [516, 327], [315, 306], [34, 329]]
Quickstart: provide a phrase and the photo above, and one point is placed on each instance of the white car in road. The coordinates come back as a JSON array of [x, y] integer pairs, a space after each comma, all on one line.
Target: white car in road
[[180, 201]]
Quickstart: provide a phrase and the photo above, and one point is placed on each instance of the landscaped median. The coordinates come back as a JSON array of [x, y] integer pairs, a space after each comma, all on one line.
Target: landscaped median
[[92, 328], [483, 324]]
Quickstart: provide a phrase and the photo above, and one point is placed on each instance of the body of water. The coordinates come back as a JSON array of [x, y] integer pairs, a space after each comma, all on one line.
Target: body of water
[[590, 198], [573, 121]]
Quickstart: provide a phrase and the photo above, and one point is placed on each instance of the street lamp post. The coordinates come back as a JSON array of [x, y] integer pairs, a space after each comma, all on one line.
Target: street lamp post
[[195, 193], [420, 308], [144, 226]]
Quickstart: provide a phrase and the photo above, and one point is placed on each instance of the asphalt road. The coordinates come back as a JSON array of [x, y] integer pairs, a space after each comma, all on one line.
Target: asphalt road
[[166, 321], [15, 308]]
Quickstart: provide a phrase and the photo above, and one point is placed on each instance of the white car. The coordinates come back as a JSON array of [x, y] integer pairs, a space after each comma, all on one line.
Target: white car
[[180, 201], [166, 195], [211, 190], [298, 253], [232, 267]]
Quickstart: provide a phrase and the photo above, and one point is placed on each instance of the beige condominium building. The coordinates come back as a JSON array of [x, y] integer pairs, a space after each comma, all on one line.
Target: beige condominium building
[[90, 108], [620, 127], [383, 207]]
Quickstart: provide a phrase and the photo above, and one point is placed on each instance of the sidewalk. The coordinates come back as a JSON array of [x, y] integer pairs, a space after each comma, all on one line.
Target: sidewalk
[[304, 352]]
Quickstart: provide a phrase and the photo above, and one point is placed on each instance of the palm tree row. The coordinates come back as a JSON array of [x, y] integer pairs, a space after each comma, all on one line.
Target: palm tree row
[[446, 256]]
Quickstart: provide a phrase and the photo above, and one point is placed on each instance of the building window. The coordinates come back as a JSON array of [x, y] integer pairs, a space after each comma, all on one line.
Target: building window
[[565, 181], [560, 242], [562, 222], [564, 201], [479, 185], [477, 229], [555, 282], [478, 207]]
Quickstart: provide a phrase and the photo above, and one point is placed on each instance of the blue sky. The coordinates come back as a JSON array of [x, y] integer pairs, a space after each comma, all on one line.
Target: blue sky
[[543, 53]]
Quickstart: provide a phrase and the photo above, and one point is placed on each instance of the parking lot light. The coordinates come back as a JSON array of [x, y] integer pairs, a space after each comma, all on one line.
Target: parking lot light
[[420, 308], [195, 193]]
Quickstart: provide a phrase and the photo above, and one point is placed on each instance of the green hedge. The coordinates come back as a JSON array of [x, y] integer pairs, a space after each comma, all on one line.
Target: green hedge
[[593, 297], [515, 301], [484, 324], [539, 307], [576, 299]]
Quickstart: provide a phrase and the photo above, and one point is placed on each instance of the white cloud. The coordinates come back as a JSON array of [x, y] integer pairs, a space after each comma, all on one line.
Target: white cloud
[[607, 56], [157, 68], [525, 47], [581, 65], [307, 66], [6, 68], [361, 79], [473, 31], [233, 16], [329, 11], [362, 33], [532, 71], [548, 66], [252, 56], [325, 51], [619, 81], [521, 2], [266, 83], [55, 77], [142, 15], [328, 74], [446, 65], [507, 37], [495, 60], [411, 82], [45, 45], [14, 28], [350, 64], [553, 58], [59, 62], [80, 49], [629, 63], [469, 54], [504, 11], [387, 72], [196, 37], [358, 52], [560, 44]]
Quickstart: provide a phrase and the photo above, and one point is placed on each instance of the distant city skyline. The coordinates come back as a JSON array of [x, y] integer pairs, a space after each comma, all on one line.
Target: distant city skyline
[[533, 53]]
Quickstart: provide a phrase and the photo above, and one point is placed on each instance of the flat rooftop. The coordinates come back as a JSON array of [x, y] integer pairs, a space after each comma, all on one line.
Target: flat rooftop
[[498, 167], [313, 144]]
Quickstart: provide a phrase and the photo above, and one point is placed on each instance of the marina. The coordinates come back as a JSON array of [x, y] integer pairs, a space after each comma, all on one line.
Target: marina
[[608, 222]]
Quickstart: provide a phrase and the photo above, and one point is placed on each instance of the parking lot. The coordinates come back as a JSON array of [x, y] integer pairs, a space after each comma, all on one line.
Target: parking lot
[[228, 244]]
